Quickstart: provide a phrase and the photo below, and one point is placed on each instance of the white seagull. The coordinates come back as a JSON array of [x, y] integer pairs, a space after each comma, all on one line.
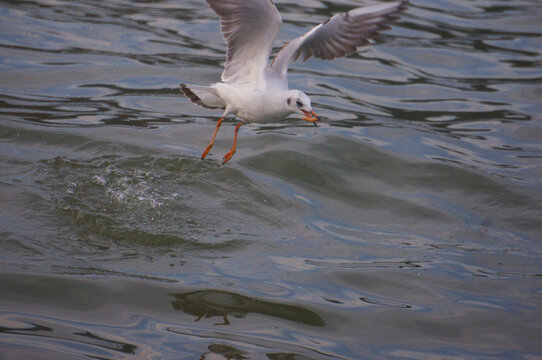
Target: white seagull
[[255, 91]]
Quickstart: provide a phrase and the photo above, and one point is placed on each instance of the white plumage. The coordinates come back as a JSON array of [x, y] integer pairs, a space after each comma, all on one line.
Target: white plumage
[[255, 91]]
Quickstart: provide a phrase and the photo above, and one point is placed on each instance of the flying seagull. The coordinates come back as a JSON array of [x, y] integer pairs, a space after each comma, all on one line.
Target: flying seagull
[[255, 91]]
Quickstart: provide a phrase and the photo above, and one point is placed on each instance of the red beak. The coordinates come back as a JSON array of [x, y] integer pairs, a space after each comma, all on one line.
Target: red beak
[[310, 116]]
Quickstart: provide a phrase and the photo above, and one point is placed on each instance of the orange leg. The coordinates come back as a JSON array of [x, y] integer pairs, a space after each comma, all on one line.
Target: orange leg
[[230, 153], [212, 140]]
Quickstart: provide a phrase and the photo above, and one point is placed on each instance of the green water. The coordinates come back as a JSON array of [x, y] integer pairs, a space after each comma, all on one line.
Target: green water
[[406, 226]]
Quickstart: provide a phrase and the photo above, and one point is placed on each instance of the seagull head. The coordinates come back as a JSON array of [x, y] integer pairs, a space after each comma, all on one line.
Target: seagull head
[[298, 102]]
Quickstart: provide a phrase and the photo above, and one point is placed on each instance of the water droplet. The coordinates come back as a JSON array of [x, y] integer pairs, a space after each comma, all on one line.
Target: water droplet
[[98, 180]]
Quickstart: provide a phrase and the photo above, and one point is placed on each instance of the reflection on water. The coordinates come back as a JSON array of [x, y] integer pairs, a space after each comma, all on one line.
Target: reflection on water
[[210, 303], [66, 333], [406, 226]]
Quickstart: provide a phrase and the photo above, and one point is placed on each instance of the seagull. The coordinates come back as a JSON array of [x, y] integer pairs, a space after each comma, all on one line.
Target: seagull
[[256, 91]]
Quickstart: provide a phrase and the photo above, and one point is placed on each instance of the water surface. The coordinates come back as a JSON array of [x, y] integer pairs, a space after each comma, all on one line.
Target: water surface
[[406, 226]]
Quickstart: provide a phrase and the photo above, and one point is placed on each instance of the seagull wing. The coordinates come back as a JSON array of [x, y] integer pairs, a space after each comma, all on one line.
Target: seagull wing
[[249, 28], [339, 35]]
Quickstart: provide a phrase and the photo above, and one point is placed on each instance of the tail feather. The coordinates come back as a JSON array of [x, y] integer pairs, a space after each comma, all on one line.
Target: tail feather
[[204, 96]]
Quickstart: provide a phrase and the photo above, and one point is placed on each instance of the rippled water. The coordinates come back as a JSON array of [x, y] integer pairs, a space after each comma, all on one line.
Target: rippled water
[[406, 226]]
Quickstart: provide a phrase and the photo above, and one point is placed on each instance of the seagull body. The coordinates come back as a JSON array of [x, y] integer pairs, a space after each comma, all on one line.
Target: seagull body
[[255, 104], [256, 91]]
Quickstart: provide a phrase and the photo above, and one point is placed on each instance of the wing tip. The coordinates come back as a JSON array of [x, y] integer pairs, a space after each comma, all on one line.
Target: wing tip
[[185, 89], [190, 94]]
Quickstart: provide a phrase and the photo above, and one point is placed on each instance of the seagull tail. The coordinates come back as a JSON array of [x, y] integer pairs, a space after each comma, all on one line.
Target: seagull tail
[[205, 96]]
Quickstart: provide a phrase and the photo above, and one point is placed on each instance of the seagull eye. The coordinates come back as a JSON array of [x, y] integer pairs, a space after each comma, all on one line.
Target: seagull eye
[[299, 103]]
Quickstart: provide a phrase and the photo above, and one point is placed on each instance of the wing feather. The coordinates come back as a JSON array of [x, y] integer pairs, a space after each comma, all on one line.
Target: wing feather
[[340, 35], [249, 28]]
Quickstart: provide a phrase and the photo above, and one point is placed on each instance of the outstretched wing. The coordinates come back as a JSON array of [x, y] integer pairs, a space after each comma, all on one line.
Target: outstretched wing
[[339, 35], [249, 27]]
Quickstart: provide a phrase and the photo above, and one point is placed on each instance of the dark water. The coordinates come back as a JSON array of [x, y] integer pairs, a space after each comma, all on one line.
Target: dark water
[[406, 226]]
